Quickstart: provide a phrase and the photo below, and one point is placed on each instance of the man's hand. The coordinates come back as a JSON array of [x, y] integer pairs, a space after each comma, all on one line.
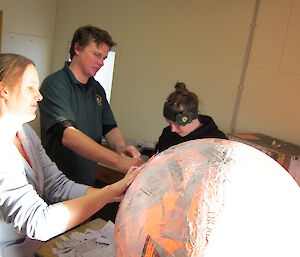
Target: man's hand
[[128, 150], [125, 163]]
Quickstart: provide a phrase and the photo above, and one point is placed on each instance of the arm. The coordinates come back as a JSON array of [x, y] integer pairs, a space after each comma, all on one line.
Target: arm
[[88, 148], [56, 108], [29, 214], [84, 207], [117, 143], [71, 203]]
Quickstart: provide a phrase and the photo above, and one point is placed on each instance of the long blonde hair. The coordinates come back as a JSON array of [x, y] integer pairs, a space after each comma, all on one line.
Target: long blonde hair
[[12, 67]]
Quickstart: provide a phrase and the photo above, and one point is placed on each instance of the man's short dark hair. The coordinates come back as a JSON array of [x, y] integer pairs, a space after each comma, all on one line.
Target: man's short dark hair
[[84, 35]]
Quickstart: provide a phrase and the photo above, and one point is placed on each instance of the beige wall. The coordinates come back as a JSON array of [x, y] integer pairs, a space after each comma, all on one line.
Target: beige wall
[[1, 13], [203, 44], [199, 42], [270, 101], [160, 42], [28, 29]]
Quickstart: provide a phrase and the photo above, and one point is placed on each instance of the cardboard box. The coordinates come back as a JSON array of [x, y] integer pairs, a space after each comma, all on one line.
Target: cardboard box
[[286, 154]]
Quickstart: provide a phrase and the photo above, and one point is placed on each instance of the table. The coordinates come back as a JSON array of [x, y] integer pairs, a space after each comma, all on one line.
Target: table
[[108, 175], [46, 249]]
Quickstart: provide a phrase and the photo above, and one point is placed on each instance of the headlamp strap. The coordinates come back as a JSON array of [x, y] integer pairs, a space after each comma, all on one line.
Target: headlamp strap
[[181, 118]]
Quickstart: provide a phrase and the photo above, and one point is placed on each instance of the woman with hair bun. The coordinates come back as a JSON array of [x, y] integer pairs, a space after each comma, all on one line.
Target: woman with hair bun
[[181, 112]]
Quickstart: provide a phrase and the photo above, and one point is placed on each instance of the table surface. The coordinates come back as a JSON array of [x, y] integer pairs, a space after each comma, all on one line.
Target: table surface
[[46, 249], [108, 175]]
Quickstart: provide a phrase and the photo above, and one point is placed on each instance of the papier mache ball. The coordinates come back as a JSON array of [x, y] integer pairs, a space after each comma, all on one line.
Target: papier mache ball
[[210, 198]]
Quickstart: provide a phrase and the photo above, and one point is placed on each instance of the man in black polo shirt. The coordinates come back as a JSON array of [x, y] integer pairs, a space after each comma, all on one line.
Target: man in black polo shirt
[[75, 113]]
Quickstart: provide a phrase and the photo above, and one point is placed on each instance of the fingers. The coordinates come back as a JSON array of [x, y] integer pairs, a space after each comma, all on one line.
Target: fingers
[[121, 150], [130, 151], [131, 176], [124, 183], [117, 199], [139, 161], [132, 169], [133, 151]]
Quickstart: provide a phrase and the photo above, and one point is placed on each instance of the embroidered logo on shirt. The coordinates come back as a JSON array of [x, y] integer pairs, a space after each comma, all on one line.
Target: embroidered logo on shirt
[[99, 99]]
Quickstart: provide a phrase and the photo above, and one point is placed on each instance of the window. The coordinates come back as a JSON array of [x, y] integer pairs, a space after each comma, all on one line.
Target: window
[[105, 75]]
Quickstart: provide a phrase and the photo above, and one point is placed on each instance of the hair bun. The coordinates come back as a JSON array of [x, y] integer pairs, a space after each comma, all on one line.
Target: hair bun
[[181, 88]]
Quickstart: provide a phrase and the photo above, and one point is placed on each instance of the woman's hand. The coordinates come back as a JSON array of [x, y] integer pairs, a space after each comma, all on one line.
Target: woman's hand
[[119, 188]]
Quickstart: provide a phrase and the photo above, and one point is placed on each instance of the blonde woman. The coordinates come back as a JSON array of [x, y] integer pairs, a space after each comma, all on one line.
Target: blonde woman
[[37, 201]]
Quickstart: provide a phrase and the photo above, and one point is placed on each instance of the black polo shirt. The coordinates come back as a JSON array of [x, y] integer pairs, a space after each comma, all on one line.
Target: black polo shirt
[[85, 107]]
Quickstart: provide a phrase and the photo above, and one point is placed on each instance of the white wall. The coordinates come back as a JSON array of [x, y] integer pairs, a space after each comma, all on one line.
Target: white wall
[[28, 29]]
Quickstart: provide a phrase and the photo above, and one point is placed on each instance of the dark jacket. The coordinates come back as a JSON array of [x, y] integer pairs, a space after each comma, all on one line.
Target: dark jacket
[[209, 129]]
